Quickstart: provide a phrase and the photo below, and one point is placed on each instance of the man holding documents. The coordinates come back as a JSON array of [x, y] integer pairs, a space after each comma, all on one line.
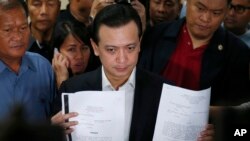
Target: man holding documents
[[116, 34], [197, 53]]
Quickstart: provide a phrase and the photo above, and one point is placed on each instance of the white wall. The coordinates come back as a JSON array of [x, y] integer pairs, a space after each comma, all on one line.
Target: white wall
[[64, 3]]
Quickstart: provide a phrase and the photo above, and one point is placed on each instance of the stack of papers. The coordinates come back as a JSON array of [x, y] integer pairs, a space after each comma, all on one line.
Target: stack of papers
[[101, 115], [182, 114]]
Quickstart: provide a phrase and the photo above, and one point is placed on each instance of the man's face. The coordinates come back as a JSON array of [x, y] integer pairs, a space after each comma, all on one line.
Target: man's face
[[238, 20], [14, 34], [83, 7], [164, 10], [118, 49], [204, 17], [43, 13]]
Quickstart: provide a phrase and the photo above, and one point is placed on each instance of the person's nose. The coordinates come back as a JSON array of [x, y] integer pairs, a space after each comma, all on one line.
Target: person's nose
[[231, 12], [44, 9], [17, 36], [206, 16], [161, 8], [121, 57], [79, 54]]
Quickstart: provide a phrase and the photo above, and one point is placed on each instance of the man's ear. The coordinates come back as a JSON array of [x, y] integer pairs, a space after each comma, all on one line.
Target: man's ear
[[95, 47]]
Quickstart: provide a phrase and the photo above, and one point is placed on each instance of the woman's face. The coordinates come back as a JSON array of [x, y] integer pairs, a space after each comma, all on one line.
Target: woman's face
[[76, 52]]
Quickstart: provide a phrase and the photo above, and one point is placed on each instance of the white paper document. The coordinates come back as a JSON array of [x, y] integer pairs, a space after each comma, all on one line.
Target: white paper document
[[182, 114], [101, 115]]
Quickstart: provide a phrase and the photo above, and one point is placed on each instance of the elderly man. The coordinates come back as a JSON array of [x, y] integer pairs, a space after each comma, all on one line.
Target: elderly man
[[26, 78]]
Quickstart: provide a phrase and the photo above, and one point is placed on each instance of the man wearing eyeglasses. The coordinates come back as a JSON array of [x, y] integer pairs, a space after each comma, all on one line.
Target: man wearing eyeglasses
[[238, 18]]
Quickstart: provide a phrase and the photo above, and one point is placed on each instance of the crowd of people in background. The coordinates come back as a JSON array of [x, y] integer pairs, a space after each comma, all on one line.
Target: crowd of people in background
[[131, 45]]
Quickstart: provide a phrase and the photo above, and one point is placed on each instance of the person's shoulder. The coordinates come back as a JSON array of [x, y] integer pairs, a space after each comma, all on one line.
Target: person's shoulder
[[246, 38], [169, 25], [163, 30], [149, 76], [88, 76], [148, 83], [247, 35], [35, 56], [236, 43], [36, 59], [85, 81], [230, 41]]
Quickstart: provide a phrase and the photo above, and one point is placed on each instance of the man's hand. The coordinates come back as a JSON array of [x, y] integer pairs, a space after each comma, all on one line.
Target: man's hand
[[60, 119], [207, 134]]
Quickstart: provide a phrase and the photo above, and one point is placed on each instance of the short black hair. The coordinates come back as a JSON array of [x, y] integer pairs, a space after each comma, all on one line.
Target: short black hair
[[64, 28], [115, 15]]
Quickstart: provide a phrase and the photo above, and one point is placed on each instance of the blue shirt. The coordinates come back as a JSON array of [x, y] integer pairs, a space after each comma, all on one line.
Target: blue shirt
[[33, 88]]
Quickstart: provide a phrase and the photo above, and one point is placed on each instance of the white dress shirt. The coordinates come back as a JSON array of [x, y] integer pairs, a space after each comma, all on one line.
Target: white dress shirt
[[129, 88]]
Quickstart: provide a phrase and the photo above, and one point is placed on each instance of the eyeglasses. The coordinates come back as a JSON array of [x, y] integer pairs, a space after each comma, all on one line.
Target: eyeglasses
[[238, 8]]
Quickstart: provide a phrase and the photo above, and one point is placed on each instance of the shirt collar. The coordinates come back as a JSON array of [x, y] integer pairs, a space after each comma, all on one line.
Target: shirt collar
[[26, 64], [106, 85], [27, 61], [2, 66]]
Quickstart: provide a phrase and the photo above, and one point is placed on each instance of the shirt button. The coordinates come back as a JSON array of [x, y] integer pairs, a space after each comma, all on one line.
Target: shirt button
[[220, 47]]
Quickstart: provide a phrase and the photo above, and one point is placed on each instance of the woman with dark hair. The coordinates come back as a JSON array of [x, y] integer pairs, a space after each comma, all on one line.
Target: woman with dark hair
[[73, 53]]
